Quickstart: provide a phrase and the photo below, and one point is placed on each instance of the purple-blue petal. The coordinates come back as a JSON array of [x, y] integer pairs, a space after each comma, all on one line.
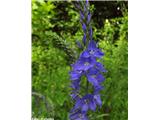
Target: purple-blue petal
[[97, 89], [84, 108], [98, 99], [84, 27], [78, 104], [100, 78], [74, 96], [92, 45], [82, 15], [84, 39], [100, 67], [84, 63], [75, 84], [93, 71], [88, 17], [98, 53], [92, 80], [74, 75], [92, 105]]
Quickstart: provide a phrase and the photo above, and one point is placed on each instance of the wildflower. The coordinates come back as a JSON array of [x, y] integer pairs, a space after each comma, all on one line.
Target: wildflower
[[75, 95], [100, 67], [86, 66], [75, 84], [95, 77], [76, 74], [92, 51], [97, 98], [85, 103], [97, 89], [78, 115]]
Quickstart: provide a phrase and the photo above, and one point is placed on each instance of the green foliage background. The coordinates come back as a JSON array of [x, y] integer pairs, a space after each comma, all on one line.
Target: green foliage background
[[54, 48]]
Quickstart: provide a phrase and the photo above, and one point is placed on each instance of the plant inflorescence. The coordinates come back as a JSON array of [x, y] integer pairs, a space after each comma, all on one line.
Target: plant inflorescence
[[86, 68]]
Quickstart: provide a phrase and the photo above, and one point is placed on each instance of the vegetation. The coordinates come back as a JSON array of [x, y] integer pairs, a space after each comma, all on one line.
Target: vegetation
[[55, 30]]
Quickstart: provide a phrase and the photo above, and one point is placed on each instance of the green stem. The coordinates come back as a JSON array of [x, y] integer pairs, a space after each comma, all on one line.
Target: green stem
[[87, 86]]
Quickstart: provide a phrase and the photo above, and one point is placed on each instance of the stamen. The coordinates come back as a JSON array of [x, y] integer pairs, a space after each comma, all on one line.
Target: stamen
[[93, 76], [86, 101], [80, 116], [91, 52], [86, 63]]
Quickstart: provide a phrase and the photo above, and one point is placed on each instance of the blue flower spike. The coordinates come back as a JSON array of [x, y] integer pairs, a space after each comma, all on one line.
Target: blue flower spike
[[88, 67]]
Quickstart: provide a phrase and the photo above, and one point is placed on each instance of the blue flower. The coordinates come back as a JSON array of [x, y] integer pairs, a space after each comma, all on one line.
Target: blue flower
[[84, 64], [75, 84], [78, 115], [88, 103], [92, 51], [85, 103], [75, 95], [76, 74], [97, 98], [100, 67], [97, 89], [95, 77]]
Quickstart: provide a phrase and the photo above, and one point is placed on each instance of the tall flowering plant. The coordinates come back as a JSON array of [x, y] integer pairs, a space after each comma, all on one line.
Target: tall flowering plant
[[86, 68]]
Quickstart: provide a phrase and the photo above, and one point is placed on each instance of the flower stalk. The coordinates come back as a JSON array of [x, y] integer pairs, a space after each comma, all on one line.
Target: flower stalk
[[86, 66]]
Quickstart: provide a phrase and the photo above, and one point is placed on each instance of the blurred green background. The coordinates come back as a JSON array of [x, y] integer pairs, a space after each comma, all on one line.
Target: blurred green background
[[55, 29]]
